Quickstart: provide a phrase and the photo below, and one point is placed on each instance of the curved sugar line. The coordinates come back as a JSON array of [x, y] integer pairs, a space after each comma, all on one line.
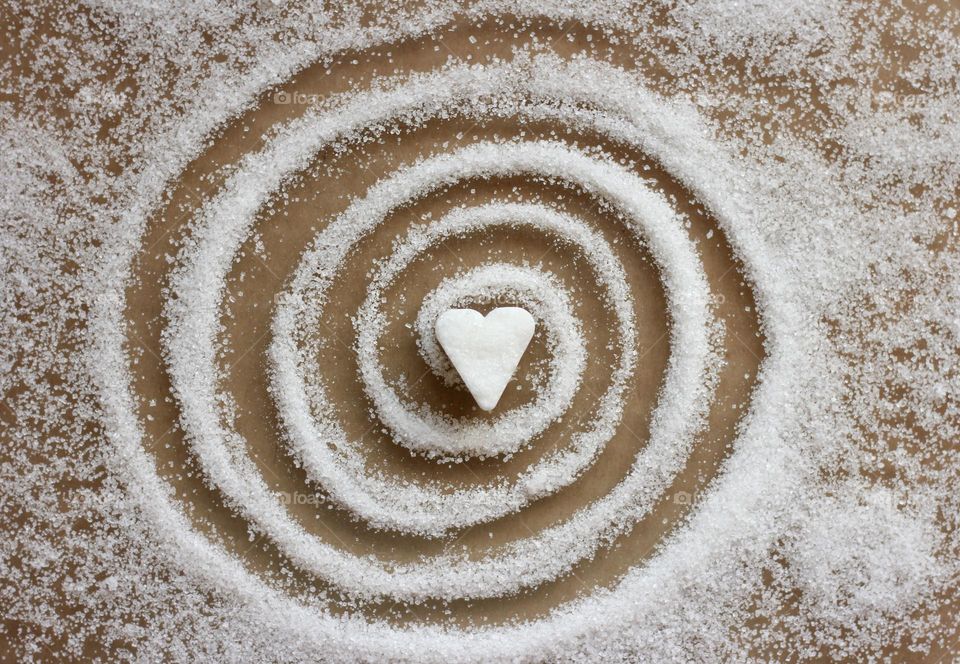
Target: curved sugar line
[[441, 437], [409, 507], [469, 220], [406, 507]]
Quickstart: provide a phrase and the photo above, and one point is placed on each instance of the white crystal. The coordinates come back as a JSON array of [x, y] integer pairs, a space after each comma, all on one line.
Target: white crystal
[[485, 350]]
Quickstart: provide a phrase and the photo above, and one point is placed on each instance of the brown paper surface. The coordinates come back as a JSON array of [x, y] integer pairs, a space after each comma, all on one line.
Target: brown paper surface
[[287, 226]]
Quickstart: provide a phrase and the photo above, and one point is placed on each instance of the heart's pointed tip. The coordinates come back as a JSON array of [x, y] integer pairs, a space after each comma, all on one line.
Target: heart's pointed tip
[[489, 402]]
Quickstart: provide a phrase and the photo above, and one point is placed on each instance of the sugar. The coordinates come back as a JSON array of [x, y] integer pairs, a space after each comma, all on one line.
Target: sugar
[[830, 527], [485, 350]]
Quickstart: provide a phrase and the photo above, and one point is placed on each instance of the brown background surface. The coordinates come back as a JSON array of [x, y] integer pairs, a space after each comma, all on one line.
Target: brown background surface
[[325, 189]]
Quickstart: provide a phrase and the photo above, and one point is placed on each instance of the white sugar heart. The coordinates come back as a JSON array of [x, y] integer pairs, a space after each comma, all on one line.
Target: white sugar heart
[[485, 350]]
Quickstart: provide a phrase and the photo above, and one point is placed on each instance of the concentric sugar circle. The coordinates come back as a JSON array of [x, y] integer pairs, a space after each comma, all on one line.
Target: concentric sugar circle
[[428, 433], [533, 91]]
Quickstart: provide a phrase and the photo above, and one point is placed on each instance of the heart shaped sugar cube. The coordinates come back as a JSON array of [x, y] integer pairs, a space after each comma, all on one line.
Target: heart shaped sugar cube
[[485, 350]]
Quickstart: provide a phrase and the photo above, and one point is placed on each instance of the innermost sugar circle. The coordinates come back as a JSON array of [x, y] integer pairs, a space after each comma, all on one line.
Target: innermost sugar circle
[[485, 350]]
